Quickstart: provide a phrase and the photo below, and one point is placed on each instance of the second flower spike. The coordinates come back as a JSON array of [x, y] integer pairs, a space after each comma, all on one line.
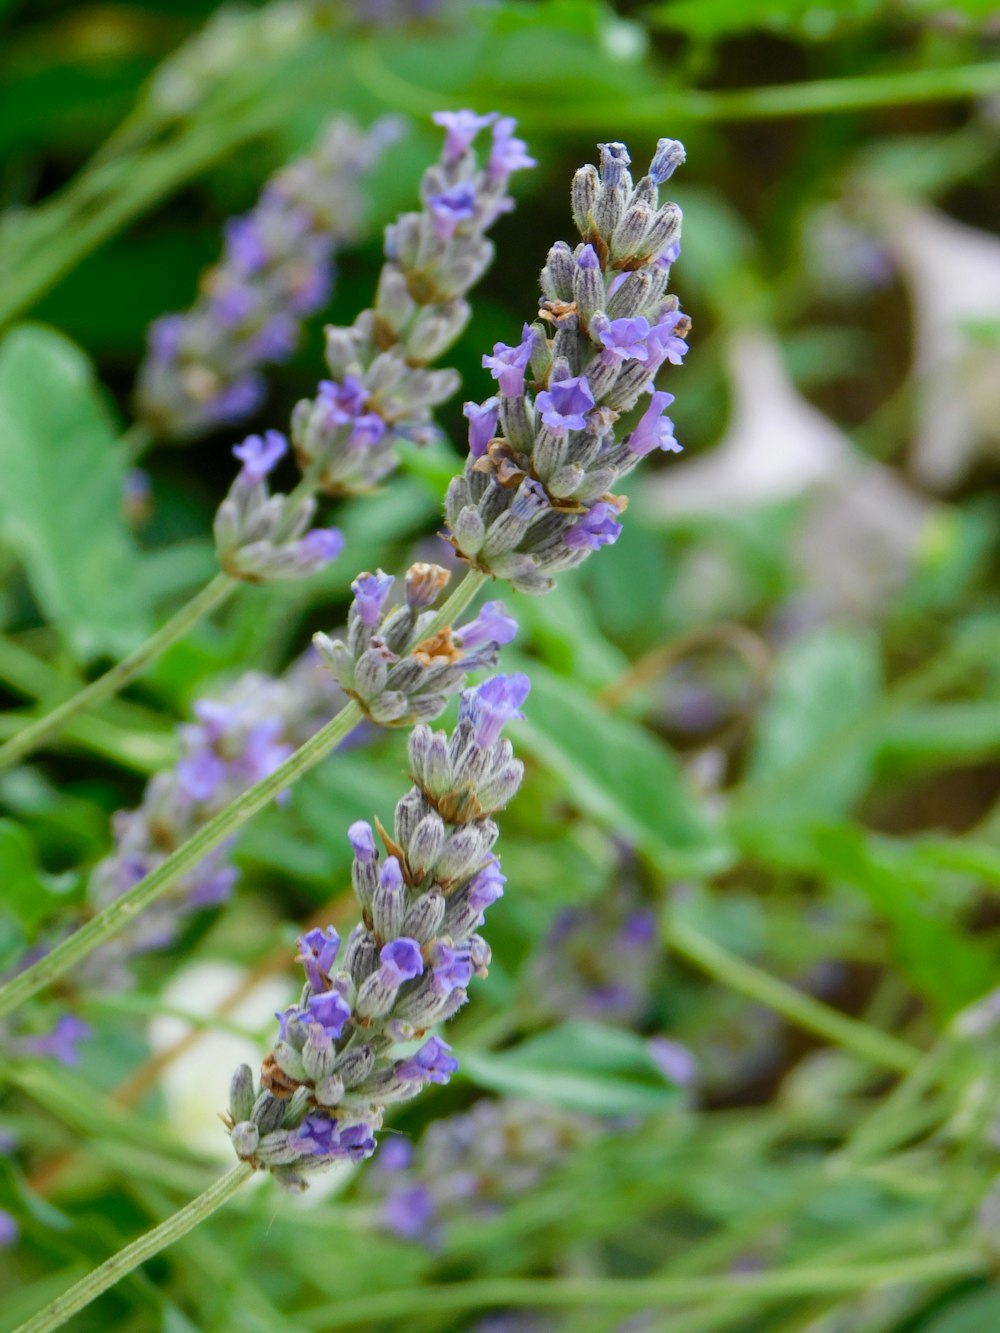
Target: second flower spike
[[392, 665]]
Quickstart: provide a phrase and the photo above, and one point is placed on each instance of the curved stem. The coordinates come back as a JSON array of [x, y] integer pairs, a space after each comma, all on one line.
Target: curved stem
[[114, 1269], [117, 915], [104, 687], [799, 1008]]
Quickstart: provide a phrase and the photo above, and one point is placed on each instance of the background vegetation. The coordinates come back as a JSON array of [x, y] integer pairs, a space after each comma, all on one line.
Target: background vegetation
[[769, 716]]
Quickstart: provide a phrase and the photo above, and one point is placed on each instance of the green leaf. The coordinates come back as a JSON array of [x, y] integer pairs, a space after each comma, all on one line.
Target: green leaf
[[804, 762], [27, 896], [60, 503], [619, 775], [577, 1066]]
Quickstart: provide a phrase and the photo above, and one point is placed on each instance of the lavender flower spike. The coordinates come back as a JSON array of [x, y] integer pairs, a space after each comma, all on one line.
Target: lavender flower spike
[[382, 388], [202, 369], [234, 741], [536, 497], [397, 675], [260, 536], [357, 1041]]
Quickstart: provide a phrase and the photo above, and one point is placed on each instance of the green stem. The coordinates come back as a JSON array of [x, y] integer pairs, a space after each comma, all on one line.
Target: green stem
[[638, 1293], [114, 1269], [814, 98], [118, 914], [801, 1009], [104, 687]]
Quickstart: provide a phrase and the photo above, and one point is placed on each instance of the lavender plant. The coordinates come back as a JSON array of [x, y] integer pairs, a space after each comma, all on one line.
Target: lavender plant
[[346, 1051], [603, 200], [469, 1164], [535, 497], [345, 438], [202, 369]]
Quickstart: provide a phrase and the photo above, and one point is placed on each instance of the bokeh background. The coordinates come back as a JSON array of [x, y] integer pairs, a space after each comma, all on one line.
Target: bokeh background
[[735, 1066]]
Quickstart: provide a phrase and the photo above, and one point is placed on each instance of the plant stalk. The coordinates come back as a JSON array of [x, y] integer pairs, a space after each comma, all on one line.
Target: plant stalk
[[114, 1269], [212, 596]]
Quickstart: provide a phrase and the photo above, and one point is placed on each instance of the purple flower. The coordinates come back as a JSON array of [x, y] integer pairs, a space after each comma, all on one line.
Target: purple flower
[[245, 248], [452, 968], [674, 1060], [260, 456], [61, 1043], [370, 592], [318, 547], [317, 954], [654, 430], [390, 876], [165, 336], [460, 127], [615, 162], [587, 259], [662, 343], [321, 1136], [668, 157], [396, 1155], [482, 418], [595, 528], [362, 840], [433, 1063], [563, 404], [530, 500], [638, 930], [450, 208], [329, 1009], [343, 403], [670, 255], [409, 1212], [508, 364], [9, 1230], [625, 340], [276, 339], [401, 961], [367, 430], [201, 774], [508, 154], [486, 886], [490, 705], [493, 625]]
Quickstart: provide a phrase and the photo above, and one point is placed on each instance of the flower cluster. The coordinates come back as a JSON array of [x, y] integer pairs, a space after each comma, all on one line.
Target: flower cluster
[[470, 1164], [391, 666], [236, 740], [202, 369], [382, 388], [535, 496], [261, 536], [598, 961], [357, 1040]]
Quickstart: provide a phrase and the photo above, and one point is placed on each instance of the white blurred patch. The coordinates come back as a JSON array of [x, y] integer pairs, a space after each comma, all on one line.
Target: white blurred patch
[[195, 1085], [777, 445], [953, 273], [863, 524]]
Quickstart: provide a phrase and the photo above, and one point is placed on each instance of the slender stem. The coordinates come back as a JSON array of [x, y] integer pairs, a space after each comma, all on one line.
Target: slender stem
[[639, 1293], [104, 687], [117, 915], [114, 1269], [799, 1008], [456, 603]]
